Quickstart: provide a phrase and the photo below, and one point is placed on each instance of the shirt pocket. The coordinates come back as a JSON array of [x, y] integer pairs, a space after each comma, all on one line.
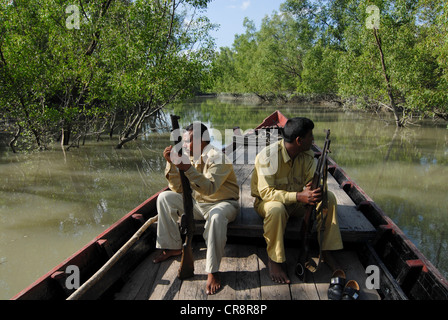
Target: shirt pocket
[[298, 184], [282, 183]]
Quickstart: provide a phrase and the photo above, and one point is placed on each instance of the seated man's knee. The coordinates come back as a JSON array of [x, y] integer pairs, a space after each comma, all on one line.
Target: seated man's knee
[[166, 196], [216, 217], [168, 201], [331, 199], [275, 210]]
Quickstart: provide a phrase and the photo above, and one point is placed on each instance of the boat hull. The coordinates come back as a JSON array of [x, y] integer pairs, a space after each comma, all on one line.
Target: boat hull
[[405, 272]]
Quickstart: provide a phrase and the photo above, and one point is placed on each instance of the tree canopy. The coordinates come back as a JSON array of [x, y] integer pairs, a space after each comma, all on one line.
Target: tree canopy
[[68, 69], [389, 54], [72, 69]]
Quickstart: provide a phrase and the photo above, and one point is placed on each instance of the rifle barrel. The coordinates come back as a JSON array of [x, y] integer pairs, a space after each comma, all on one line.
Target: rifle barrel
[[186, 268]]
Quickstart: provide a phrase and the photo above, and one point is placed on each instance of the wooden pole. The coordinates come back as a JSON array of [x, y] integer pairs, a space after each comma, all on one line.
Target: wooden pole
[[100, 273]]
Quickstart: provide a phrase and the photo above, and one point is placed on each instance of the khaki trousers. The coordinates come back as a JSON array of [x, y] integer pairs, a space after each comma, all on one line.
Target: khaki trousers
[[275, 215], [217, 215]]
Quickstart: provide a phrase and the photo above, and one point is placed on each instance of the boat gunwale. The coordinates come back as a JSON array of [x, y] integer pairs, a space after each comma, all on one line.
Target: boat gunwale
[[350, 187], [381, 221], [102, 236]]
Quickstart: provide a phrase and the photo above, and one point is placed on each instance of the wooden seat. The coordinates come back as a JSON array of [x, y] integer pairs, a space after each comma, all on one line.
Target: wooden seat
[[353, 225]]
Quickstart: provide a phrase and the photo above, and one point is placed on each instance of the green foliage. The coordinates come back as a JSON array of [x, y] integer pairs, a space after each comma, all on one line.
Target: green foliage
[[329, 48], [264, 62], [319, 74], [73, 66]]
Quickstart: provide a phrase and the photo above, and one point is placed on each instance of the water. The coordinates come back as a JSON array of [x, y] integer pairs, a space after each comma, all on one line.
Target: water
[[53, 203]]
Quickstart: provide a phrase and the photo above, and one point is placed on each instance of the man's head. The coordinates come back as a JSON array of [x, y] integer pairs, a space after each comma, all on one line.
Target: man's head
[[195, 138], [299, 132]]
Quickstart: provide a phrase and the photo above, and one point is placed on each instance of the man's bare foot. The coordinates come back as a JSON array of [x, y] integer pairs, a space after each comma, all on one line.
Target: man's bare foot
[[165, 254], [329, 258], [277, 273], [213, 283]]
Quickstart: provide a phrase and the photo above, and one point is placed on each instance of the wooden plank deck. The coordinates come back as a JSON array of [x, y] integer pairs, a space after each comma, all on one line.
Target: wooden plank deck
[[244, 276], [353, 225]]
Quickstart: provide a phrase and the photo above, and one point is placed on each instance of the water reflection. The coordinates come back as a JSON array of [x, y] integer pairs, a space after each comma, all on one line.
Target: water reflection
[[52, 204]]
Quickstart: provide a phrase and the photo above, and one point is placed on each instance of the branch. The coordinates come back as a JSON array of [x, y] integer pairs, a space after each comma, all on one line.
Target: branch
[[96, 35], [171, 25], [398, 122], [2, 57], [84, 11]]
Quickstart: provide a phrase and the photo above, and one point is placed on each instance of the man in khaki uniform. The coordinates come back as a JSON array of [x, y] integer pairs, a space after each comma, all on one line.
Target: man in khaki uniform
[[215, 199], [281, 186]]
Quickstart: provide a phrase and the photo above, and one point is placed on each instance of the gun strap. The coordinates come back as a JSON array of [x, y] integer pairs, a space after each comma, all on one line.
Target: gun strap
[[323, 211], [311, 267]]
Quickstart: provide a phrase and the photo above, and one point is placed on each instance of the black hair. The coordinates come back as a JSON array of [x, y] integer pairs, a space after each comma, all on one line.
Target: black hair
[[297, 127], [205, 136]]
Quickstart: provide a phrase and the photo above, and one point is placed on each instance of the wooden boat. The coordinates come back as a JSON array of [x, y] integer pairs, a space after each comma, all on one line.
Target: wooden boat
[[370, 238]]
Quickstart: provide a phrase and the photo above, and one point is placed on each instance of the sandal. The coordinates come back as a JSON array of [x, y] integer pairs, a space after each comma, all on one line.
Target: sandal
[[351, 291], [337, 283]]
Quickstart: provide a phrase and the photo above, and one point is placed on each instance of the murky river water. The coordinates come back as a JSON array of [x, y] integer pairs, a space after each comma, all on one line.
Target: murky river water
[[52, 203]]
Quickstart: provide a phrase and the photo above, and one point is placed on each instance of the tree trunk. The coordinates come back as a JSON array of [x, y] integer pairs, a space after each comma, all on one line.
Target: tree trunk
[[13, 141], [112, 124], [393, 106], [65, 138]]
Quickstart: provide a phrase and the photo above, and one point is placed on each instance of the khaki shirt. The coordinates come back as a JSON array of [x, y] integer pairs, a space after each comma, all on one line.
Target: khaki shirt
[[211, 177], [277, 178]]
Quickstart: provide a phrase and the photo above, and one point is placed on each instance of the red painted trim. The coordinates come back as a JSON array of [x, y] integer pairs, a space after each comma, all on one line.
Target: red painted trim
[[102, 236]]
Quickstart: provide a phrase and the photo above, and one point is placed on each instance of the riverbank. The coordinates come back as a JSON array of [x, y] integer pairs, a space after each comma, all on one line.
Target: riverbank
[[282, 98], [332, 101]]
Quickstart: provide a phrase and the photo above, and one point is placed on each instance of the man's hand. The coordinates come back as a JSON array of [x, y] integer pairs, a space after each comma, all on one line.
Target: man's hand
[[182, 162], [166, 153], [308, 196], [184, 166]]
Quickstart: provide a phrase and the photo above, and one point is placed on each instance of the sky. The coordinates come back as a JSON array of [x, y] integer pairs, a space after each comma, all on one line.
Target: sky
[[230, 14]]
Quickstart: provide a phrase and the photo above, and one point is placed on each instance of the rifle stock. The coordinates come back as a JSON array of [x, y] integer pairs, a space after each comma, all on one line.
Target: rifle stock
[[319, 181], [186, 269]]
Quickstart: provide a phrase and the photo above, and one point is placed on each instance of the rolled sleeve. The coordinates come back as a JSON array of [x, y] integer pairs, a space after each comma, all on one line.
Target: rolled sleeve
[[173, 177]]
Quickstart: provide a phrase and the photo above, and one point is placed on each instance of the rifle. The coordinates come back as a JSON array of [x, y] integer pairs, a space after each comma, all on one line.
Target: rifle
[[186, 269], [319, 181]]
